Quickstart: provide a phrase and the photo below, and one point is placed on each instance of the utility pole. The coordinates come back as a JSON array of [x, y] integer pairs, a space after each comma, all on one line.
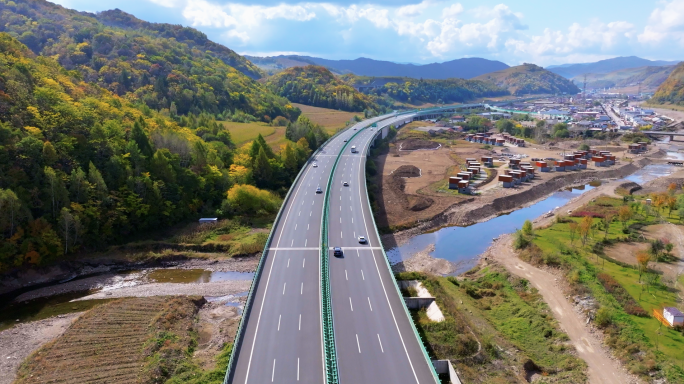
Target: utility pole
[[639, 91]]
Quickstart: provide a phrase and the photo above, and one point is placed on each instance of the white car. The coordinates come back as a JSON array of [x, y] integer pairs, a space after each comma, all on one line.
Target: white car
[[315, 165], [319, 190], [346, 184], [362, 240]]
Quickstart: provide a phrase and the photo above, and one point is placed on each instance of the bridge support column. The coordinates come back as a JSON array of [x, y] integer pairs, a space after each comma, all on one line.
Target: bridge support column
[[671, 137]]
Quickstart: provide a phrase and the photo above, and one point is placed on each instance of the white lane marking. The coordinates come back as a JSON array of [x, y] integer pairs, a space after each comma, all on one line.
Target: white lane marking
[[312, 202], [345, 275], [307, 226], [363, 215], [268, 280], [354, 234], [273, 372], [382, 349], [350, 304], [357, 253], [341, 235], [300, 213], [279, 316], [298, 369], [357, 345], [369, 304], [295, 227], [284, 285], [303, 262], [364, 277], [310, 213], [288, 263], [305, 241], [292, 243], [352, 217], [294, 249], [301, 290], [300, 321]]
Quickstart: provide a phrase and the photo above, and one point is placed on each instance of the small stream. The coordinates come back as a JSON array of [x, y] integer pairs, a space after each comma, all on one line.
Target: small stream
[[462, 245]]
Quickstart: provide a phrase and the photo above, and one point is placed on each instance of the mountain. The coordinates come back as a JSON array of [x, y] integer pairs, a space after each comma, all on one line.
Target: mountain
[[162, 65], [317, 86], [466, 68], [606, 66], [528, 79], [649, 77], [418, 91], [672, 90]]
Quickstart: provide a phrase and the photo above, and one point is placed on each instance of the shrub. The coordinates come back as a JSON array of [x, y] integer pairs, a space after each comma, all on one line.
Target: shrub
[[621, 295], [604, 317]]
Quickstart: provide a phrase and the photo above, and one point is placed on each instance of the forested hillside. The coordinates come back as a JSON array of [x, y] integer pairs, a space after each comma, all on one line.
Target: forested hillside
[[317, 86], [417, 91], [81, 166], [672, 90], [530, 79], [648, 77], [165, 66]]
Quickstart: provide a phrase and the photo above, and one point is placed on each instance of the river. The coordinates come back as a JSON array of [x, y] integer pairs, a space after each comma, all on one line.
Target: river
[[462, 245]]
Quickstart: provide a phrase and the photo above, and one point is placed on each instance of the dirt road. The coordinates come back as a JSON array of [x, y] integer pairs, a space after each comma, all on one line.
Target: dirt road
[[603, 369]]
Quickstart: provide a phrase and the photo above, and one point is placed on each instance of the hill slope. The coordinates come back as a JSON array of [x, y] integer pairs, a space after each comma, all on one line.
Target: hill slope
[[529, 79], [672, 90], [608, 65], [649, 77], [317, 86], [466, 68], [158, 64]]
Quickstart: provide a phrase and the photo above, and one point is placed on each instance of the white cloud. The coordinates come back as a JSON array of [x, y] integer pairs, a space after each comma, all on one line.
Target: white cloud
[[167, 3], [353, 13], [452, 11], [665, 23], [413, 10], [202, 13]]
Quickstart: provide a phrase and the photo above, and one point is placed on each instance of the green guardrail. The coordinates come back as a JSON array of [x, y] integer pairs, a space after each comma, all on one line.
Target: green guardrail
[[257, 274], [396, 286], [330, 349]]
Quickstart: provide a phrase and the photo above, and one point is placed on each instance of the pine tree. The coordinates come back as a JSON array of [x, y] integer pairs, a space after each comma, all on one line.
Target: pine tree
[[96, 180], [290, 161], [140, 138], [266, 147], [262, 172], [49, 154]]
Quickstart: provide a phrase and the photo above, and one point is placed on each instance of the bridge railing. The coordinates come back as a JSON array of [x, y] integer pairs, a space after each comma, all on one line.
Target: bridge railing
[[421, 342]]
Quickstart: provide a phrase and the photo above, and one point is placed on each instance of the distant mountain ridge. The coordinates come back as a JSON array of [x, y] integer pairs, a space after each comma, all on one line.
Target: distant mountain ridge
[[649, 78], [606, 66], [530, 79], [466, 68]]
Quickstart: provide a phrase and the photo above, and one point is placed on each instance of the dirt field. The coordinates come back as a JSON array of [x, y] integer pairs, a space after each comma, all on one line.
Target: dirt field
[[330, 119], [106, 343]]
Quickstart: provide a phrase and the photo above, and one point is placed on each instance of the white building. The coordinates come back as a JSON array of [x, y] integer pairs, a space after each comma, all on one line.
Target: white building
[[674, 316]]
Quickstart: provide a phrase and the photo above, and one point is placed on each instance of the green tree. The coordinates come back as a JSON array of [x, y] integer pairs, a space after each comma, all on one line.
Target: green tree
[[96, 180], [10, 208], [290, 161], [140, 137], [505, 125], [527, 228], [49, 154], [261, 171]]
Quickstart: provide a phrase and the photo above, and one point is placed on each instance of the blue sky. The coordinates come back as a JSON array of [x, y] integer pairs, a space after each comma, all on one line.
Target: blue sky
[[515, 31]]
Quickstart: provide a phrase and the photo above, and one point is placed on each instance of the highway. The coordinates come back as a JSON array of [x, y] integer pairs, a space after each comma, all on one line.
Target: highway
[[373, 334], [282, 331]]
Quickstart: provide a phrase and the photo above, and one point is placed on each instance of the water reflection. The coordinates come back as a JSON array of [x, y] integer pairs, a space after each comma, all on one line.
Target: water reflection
[[187, 276]]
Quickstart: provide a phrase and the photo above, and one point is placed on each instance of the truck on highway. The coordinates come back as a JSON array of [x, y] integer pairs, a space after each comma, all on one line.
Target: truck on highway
[[353, 149]]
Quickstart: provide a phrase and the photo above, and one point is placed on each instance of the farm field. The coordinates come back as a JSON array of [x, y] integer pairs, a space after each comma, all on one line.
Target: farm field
[[330, 119], [244, 132], [122, 342]]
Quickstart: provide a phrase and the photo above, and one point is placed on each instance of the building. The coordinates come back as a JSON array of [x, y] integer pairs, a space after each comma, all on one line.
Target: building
[[673, 316], [453, 182], [507, 180]]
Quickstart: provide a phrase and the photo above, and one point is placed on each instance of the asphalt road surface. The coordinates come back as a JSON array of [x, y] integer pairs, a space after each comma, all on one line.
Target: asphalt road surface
[[282, 341], [373, 334]]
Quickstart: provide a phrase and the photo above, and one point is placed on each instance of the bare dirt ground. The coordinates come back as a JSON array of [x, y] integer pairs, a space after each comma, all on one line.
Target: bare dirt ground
[[218, 288], [423, 262], [21, 340], [217, 326], [602, 368]]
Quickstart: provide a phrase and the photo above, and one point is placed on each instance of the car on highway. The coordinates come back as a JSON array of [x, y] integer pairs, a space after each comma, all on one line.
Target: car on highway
[[346, 184], [345, 140], [362, 240], [319, 190], [337, 251], [315, 165]]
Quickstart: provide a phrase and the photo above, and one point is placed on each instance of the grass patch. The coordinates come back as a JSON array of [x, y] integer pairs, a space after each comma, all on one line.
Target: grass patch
[[637, 339], [496, 325], [330, 119], [244, 132], [190, 373]]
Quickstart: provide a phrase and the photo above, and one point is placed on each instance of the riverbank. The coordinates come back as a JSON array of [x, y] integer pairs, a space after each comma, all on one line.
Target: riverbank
[[485, 209]]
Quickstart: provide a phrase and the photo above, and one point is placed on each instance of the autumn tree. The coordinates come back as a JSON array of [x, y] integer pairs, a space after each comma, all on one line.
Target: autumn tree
[[585, 228], [606, 221], [671, 189], [624, 214], [573, 226], [643, 259]]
